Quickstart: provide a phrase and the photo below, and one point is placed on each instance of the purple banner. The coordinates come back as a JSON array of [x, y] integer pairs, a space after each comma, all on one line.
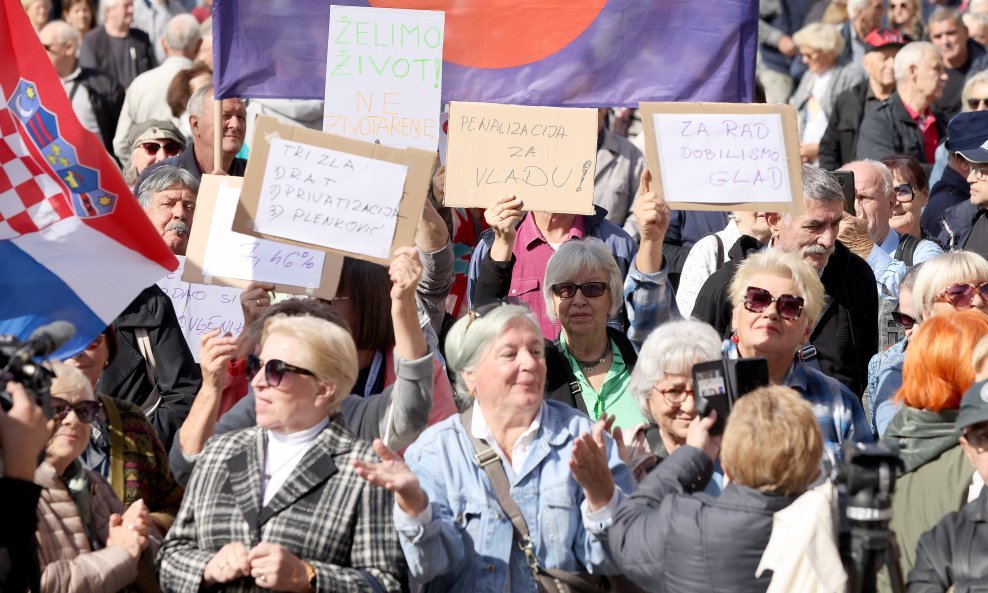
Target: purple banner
[[577, 53]]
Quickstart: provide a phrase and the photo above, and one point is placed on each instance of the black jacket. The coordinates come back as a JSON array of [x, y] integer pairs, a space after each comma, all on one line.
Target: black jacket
[[96, 50], [106, 97], [960, 219], [179, 378], [187, 160], [955, 552], [846, 335], [19, 568], [840, 141], [890, 130], [952, 189], [670, 536]]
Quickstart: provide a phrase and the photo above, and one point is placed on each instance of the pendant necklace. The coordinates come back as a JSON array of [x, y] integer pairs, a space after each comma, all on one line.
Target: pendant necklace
[[587, 366]]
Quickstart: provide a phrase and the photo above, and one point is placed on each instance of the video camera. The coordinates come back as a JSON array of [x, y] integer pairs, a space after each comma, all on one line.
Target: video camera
[[17, 362], [719, 383]]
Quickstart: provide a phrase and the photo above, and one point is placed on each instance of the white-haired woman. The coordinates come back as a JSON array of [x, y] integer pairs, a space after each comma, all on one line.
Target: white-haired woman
[[559, 469], [777, 297], [820, 46], [662, 385], [279, 506]]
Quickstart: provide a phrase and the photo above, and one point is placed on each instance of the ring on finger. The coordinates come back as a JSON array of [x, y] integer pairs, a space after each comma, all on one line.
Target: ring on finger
[[264, 578]]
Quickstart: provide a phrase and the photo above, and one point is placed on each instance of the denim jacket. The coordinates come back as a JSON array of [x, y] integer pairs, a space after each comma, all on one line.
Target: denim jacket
[[469, 545]]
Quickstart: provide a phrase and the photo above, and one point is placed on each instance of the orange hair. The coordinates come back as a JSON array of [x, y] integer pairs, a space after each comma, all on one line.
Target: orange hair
[[938, 368]]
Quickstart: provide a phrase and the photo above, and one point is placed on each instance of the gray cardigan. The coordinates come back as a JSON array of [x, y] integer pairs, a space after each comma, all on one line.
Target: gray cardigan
[[843, 79]]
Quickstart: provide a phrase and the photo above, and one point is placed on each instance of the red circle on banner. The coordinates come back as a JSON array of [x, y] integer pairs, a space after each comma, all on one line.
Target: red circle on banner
[[505, 33]]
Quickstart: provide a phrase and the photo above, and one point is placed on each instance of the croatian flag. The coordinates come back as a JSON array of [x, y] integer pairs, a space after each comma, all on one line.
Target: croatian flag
[[577, 53], [74, 243]]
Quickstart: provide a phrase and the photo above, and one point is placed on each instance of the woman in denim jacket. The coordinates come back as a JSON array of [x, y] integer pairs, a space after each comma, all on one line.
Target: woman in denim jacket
[[565, 473]]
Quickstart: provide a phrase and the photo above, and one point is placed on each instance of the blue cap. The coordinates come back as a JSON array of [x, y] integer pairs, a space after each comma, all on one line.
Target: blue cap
[[967, 134], [974, 406]]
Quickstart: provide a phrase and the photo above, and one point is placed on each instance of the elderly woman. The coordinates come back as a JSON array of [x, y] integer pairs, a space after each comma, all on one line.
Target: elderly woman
[[123, 447], [541, 457], [935, 478], [662, 383], [278, 506], [87, 542], [820, 46], [590, 364], [912, 191], [777, 297]]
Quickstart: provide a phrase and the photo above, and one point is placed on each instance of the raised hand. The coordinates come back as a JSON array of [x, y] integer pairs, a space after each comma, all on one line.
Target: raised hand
[[590, 468], [254, 300], [405, 271], [650, 210], [215, 353], [503, 217]]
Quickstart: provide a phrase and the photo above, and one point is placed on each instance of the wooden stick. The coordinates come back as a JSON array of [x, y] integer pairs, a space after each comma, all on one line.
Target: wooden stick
[[217, 136]]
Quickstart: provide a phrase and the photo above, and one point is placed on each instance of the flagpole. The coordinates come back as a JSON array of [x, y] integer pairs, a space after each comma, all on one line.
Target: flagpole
[[217, 136]]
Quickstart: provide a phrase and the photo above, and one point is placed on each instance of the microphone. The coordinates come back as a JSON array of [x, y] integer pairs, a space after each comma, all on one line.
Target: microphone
[[45, 340]]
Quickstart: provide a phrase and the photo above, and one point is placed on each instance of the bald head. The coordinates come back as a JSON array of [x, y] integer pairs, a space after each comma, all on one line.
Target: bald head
[[873, 196], [182, 36], [61, 41]]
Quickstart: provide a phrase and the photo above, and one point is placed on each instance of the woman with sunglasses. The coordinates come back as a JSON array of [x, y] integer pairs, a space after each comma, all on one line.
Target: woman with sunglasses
[[935, 476], [777, 297], [559, 469], [909, 183], [123, 446], [907, 17], [87, 541], [151, 142], [279, 506]]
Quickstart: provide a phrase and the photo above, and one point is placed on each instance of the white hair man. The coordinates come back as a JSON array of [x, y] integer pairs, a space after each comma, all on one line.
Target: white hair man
[[168, 197], [905, 124], [145, 97], [116, 48], [95, 97]]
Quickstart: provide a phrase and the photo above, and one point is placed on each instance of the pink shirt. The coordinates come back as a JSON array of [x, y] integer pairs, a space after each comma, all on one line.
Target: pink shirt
[[532, 253]]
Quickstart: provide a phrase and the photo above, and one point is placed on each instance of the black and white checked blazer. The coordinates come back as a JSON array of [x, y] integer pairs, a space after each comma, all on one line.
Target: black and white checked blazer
[[325, 514]]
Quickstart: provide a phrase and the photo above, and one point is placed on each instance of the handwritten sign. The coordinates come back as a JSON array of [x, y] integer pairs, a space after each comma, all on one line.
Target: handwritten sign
[[330, 198], [201, 308], [383, 75], [543, 155], [724, 156], [335, 194], [235, 255]]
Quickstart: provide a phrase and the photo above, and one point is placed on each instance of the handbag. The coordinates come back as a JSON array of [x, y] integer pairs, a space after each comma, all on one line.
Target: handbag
[[549, 580]]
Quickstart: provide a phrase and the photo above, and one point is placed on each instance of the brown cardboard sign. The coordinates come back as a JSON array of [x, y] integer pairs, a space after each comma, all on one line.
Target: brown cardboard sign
[[724, 156], [217, 255], [544, 155], [335, 194]]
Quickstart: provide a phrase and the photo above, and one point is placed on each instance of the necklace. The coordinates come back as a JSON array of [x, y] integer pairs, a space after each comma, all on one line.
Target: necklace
[[587, 366]]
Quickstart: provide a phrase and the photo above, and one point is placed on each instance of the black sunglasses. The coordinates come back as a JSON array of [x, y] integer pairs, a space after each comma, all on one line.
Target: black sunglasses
[[757, 300], [976, 103], [170, 148], [84, 411], [274, 370], [904, 193], [905, 321], [567, 290]]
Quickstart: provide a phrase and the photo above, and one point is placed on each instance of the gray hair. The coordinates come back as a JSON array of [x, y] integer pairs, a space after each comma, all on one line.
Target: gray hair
[[576, 256], [883, 170], [855, 6], [108, 4], [945, 13], [182, 33], [820, 184], [979, 78], [198, 98], [162, 178], [909, 279], [464, 349], [911, 55], [673, 347], [821, 37], [63, 33]]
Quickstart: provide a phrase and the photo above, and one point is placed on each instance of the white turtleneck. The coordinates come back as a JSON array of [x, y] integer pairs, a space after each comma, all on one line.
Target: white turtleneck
[[283, 454]]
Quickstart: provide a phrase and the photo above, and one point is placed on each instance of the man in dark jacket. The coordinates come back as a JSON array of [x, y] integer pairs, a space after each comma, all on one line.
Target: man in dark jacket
[[961, 56], [955, 552], [115, 48], [846, 334], [905, 124], [96, 98], [966, 132], [839, 142], [965, 225], [671, 536]]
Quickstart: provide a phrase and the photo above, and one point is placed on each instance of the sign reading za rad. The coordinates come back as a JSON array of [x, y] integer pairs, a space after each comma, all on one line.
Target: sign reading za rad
[[724, 156]]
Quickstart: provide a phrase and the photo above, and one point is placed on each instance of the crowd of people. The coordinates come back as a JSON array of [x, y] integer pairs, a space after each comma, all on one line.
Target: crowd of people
[[510, 404]]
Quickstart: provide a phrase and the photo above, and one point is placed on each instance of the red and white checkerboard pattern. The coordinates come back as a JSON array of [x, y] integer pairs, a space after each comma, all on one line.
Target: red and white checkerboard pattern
[[30, 199]]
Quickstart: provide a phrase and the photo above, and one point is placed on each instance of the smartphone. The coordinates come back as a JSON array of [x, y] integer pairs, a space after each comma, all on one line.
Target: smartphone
[[846, 181], [710, 386]]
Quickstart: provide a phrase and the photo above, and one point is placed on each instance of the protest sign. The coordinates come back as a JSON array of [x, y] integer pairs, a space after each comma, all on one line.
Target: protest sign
[[201, 308], [383, 75], [341, 195], [218, 255], [543, 155], [724, 156]]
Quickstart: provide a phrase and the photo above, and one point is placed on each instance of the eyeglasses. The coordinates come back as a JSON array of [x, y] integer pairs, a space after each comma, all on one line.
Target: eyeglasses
[[904, 193], [975, 103], [85, 411], [906, 322], [50, 48], [478, 311], [674, 396], [980, 172], [757, 300], [962, 294], [170, 148], [977, 439], [274, 370], [567, 290]]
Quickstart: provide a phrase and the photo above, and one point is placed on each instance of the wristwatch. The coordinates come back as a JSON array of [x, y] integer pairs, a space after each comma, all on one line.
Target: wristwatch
[[310, 574]]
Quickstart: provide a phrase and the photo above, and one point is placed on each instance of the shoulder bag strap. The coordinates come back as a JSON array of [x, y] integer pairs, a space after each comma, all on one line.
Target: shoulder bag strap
[[144, 344]]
